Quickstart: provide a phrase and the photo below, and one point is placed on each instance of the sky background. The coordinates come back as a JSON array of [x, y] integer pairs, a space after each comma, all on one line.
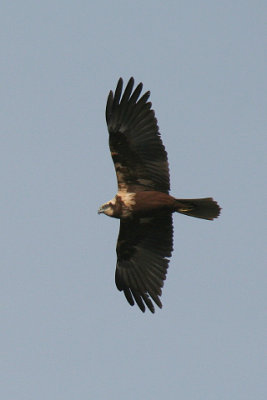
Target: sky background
[[65, 330]]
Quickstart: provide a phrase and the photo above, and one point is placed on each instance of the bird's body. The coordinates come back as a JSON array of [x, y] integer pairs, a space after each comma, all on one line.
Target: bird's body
[[140, 204], [128, 205], [143, 203]]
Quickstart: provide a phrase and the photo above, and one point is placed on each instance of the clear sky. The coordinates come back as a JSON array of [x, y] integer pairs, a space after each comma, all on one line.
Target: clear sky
[[66, 332]]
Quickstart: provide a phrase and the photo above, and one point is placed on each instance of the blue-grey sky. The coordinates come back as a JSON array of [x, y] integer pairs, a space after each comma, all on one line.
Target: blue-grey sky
[[66, 332]]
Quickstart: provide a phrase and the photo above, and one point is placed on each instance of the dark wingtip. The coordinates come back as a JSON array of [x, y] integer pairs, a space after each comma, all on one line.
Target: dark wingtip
[[109, 105], [118, 91]]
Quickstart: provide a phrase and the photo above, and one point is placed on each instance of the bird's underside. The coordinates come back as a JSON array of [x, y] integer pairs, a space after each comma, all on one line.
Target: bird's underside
[[143, 203]]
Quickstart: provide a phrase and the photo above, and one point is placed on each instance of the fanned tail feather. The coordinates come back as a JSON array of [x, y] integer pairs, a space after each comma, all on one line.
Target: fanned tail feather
[[206, 208]]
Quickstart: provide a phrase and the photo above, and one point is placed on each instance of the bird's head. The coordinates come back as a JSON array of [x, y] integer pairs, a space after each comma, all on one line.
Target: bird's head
[[107, 208]]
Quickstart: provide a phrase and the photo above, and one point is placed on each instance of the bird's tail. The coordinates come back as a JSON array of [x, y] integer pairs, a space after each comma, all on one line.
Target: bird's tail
[[200, 208]]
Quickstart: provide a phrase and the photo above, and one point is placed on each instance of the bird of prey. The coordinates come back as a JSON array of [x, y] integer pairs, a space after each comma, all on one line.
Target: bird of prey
[[143, 203]]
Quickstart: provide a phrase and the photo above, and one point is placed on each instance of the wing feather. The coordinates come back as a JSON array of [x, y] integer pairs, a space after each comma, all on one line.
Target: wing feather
[[136, 147], [143, 249]]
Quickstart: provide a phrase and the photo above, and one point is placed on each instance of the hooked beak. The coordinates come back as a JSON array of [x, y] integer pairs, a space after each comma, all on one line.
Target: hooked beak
[[100, 210]]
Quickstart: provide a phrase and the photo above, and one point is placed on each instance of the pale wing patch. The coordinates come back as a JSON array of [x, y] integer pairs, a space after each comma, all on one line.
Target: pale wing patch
[[120, 176], [127, 198], [127, 202]]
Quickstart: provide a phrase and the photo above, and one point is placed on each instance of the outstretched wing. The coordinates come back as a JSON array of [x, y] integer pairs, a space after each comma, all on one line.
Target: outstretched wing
[[143, 250], [137, 151]]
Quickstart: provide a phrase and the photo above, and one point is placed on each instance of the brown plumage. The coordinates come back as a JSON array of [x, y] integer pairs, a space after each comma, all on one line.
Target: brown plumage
[[143, 203]]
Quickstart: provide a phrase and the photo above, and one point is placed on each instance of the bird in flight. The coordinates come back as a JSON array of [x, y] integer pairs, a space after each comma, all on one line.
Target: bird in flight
[[143, 203]]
